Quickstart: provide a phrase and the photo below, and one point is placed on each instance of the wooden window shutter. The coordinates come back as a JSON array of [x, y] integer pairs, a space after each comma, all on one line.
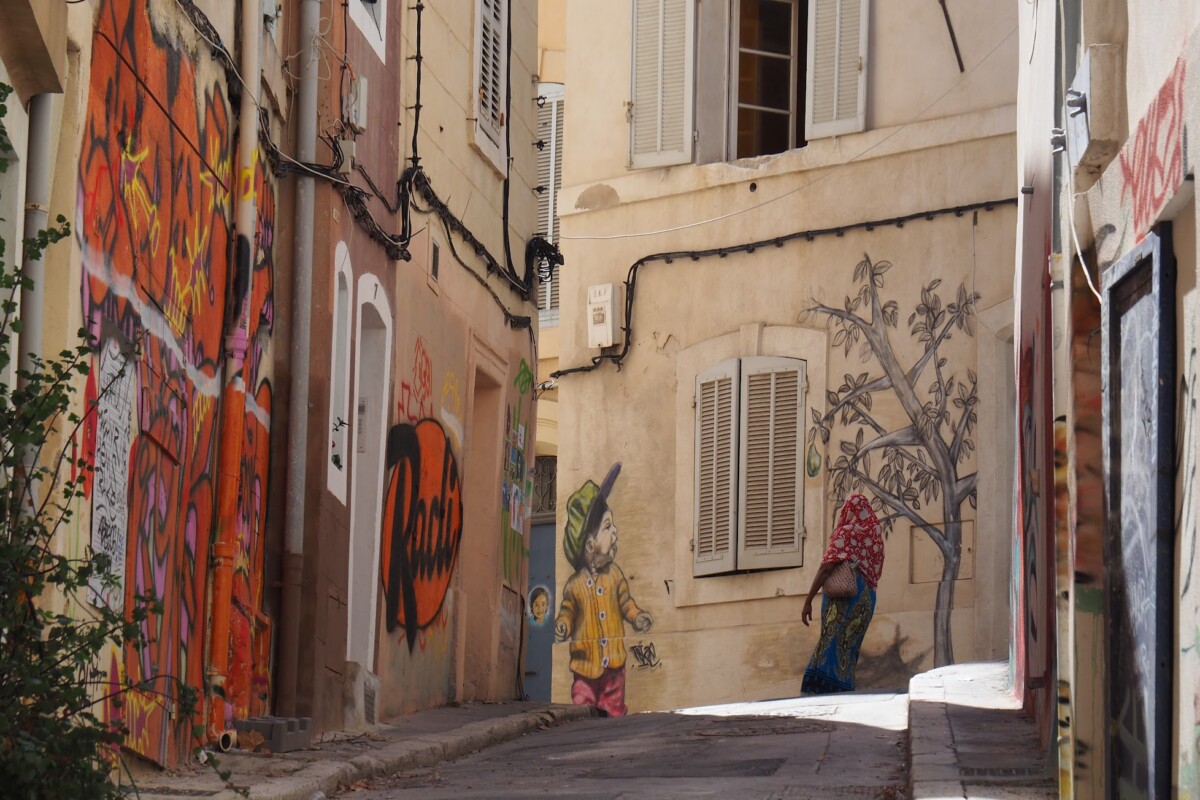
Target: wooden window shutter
[[837, 75], [661, 113], [549, 178], [717, 392], [492, 58], [771, 506]]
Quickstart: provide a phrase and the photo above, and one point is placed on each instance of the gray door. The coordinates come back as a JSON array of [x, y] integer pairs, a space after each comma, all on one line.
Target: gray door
[[540, 606], [1138, 375]]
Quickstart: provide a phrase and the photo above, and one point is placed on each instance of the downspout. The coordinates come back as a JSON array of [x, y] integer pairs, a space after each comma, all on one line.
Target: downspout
[[233, 401], [37, 214], [297, 441]]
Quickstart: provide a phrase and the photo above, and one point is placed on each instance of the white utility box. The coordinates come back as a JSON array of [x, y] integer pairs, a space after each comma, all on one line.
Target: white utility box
[[603, 300]]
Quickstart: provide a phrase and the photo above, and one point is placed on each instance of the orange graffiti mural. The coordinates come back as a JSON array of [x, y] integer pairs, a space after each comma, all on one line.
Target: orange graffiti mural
[[422, 525], [153, 228]]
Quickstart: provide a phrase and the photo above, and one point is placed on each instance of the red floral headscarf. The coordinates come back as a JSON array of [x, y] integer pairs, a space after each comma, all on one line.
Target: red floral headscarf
[[858, 537]]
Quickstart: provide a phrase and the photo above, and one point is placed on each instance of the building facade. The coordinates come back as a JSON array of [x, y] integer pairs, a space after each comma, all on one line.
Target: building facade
[[787, 232], [298, 238], [421, 424], [1107, 314]]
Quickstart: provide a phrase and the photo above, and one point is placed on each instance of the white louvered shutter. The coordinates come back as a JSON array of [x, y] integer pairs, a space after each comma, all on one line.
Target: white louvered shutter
[[491, 68], [661, 124], [716, 469], [837, 74], [549, 131], [771, 506]]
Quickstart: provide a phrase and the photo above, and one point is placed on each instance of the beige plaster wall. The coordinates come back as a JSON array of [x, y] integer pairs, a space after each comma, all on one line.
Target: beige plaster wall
[[552, 40], [738, 636], [467, 180], [911, 72]]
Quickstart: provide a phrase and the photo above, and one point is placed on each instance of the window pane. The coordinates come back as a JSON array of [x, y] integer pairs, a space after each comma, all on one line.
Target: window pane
[[761, 132], [766, 25], [764, 81]]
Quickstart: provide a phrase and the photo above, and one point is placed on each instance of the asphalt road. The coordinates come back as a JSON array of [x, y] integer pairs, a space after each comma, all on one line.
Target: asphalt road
[[844, 746]]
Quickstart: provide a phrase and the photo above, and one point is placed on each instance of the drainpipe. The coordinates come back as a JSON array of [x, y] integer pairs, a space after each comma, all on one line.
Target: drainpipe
[[297, 440], [233, 401], [37, 214]]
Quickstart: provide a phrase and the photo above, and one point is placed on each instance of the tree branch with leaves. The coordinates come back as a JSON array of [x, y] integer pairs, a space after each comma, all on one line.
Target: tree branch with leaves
[[911, 470]]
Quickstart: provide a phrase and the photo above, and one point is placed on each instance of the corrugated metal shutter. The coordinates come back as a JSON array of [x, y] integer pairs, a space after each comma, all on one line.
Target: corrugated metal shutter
[[549, 177], [491, 68], [661, 132], [717, 392], [837, 51], [771, 507]]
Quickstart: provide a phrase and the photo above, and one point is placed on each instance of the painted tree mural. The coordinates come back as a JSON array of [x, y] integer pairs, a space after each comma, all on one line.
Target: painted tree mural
[[912, 471]]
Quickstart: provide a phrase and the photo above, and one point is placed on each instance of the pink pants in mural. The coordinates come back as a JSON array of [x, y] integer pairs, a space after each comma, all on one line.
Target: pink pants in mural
[[606, 693]]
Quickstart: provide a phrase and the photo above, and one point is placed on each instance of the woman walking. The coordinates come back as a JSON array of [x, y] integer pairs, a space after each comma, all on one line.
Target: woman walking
[[859, 540]]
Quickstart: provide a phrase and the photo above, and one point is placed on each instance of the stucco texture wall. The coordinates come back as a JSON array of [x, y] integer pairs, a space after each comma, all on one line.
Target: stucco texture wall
[[1145, 184], [722, 638]]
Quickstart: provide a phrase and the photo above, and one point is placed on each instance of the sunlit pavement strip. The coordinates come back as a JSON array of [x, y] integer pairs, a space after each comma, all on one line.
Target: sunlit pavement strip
[[969, 738], [884, 711]]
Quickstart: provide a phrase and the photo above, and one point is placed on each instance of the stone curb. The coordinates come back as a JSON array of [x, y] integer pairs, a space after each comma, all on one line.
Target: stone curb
[[328, 776]]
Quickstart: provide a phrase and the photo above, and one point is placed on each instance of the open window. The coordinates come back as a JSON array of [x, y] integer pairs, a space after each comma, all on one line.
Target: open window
[[736, 79]]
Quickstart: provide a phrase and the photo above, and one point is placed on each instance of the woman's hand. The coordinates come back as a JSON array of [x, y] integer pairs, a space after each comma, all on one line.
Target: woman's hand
[[806, 614]]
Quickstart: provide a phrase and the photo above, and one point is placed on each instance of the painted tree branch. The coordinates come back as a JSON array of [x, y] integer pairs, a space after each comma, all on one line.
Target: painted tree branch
[[902, 482], [902, 509]]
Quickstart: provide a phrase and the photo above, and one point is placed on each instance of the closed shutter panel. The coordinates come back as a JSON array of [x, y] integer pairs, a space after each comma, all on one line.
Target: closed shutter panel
[[837, 52], [491, 68], [550, 131], [771, 508], [717, 392], [662, 82], [560, 108]]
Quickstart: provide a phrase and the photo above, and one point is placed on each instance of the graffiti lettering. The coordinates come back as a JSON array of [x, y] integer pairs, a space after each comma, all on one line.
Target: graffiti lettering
[[645, 656], [1153, 167], [114, 432], [422, 525]]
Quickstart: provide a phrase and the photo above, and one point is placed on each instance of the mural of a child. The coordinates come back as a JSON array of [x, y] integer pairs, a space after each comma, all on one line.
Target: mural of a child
[[596, 602]]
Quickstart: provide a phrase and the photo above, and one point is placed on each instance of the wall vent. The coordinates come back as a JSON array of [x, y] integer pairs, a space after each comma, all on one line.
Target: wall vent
[[435, 258]]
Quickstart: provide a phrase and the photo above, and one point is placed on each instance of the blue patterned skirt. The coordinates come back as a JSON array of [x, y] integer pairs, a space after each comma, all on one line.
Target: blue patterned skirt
[[843, 626]]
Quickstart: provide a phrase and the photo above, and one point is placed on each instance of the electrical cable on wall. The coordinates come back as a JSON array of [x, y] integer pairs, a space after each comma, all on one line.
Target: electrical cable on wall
[[414, 178], [750, 247], [416, 182], [281, 163]]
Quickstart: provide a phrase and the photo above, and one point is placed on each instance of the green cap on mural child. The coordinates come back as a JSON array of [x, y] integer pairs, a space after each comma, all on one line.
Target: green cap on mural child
[[585, 509]]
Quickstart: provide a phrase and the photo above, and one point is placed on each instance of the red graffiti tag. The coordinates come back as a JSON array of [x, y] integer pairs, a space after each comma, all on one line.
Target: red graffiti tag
[[1153, 167]]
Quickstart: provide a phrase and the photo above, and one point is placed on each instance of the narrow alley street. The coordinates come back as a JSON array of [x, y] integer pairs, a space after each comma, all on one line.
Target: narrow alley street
[[851, 746]]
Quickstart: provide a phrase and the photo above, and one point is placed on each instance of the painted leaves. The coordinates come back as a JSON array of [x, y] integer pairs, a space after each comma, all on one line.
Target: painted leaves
[[913, 465]]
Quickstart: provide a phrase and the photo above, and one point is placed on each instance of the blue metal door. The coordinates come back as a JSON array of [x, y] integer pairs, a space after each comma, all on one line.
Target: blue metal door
[[540, 606]]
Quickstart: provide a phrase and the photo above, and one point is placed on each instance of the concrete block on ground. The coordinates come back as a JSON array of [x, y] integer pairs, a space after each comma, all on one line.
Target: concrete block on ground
[[280, 734]]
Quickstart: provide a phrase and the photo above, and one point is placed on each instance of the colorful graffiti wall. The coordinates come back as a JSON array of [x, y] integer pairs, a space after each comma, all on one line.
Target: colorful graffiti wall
[[153, 225]]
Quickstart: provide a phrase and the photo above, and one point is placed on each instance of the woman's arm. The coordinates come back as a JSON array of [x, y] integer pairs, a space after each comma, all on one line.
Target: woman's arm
[[819, 578], [817, 582]]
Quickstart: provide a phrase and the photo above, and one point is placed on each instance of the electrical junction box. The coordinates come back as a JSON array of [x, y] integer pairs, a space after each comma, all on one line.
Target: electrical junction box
[[602, 302], [356, 104]]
